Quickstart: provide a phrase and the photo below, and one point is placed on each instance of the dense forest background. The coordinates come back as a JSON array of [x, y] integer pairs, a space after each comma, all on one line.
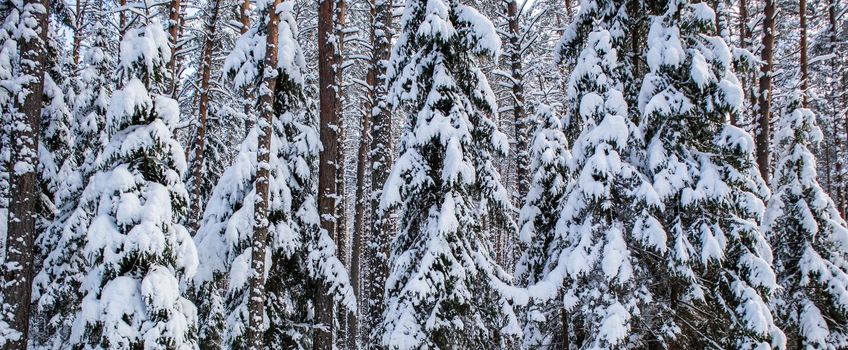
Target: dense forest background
[[445, 174]]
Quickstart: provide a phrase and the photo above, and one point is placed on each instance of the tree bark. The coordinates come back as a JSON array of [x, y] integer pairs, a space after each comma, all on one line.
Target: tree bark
[[361, 193], [174, 25], [79, 23], [802, 14], [122, 18], [23, 205], [744, 37], [203, 108], [842, 192], [359, 216], [764, 94], [379, 231], [328, 168], [519, 117], [342, 239], [244, 18], [256, 304]]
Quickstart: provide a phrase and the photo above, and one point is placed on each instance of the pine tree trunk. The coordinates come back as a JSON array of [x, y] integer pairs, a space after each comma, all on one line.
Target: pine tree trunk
[[359, 224], [203, 108], [341, 160], [342, 239], [359, 215], [328, 168], [256, 304], [379, 233], [764, 98], [24, 191], [244, 18], [122, 19], [842, 195], [744, 37], [79, 23], [519, 118], [802, 14], [174, 25]]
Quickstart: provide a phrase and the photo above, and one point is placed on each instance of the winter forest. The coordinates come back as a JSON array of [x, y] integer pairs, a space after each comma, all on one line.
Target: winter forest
[[423, 174]]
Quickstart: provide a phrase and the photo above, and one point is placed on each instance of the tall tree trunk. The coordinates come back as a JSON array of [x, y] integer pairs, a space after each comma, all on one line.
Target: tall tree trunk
[[203, 108], [379, 233], [328, 168], [256, 304], [342, 239], [79, 24], [174, 24], [842, 195], [244, 18], [744, 42], [24, 191], [764, 97], [519, 117], [359, 215], [122, 18], [802, 14], [361, 192]]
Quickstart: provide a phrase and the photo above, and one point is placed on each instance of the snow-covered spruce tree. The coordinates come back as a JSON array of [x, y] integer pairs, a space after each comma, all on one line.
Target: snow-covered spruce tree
[[299, 255], [810, 240], [56, 287], [719, 274], [136, 252], [549, 177], [444, 291], [607, 238]]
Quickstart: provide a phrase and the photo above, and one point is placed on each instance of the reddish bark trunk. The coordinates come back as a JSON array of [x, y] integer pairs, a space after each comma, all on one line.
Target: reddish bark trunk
[[380, 228], [328, 169], [203, 111], [174, 25], [256, 303]]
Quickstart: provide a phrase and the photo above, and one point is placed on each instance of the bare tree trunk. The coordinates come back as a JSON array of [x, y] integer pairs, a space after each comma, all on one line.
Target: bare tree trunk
[[802, 14], [79, 23], [380, 231], [518, 115], [203, 108], [842, 195], [764, 98], [244, 18], [256, 304], [359, 215], [744, 42], [23, 205], [342, 239], [174, 25], [122, 18], [328, 168]]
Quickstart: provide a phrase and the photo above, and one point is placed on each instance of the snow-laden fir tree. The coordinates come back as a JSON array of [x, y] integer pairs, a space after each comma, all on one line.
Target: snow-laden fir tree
[[125, 222], [607, 237], [809, 238], [444, 290], [719, 274], [299, 255], [549, 177], [56, 288]]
